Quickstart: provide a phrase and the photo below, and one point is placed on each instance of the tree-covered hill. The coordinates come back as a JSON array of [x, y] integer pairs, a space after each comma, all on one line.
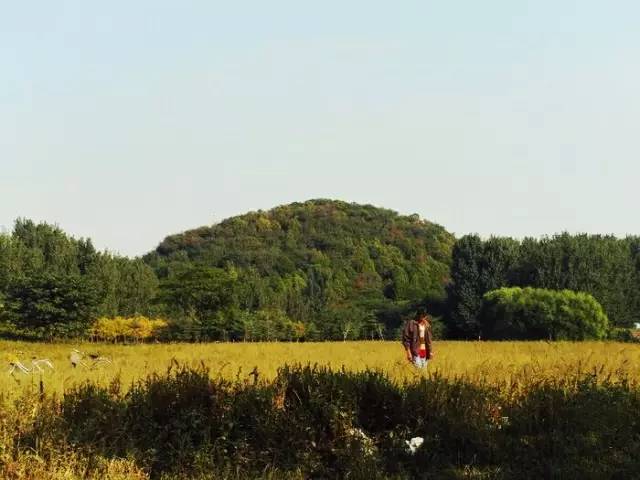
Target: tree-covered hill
[[322, 268], [318, 270]]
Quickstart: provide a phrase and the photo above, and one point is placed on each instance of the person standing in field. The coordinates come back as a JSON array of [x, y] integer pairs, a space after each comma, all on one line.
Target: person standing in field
[[417, 340]]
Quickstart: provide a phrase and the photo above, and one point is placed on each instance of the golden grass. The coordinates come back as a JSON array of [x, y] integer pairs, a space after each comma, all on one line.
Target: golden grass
[[493, 362], [69, 466]]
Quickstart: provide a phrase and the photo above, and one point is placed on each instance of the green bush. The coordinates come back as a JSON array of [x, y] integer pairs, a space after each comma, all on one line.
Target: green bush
[[534, 313]]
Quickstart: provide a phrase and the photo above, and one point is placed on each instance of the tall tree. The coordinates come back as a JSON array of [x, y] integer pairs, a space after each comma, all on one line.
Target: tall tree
[[200, 294], [51, 305], [477, 268]]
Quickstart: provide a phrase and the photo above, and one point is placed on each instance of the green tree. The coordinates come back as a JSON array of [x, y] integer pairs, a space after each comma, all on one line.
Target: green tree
[[136, 287], [52, 305], [477, 267], [200, 294], [600, 265]]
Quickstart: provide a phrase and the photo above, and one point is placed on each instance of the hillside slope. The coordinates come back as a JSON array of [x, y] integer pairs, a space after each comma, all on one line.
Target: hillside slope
[[334, 266]]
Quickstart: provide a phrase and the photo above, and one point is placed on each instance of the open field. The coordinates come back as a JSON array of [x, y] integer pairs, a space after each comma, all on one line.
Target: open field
[[484, 411], [488, 362]]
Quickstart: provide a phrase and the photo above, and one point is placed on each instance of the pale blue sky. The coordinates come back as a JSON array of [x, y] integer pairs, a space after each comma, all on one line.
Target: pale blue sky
[[127, 121]]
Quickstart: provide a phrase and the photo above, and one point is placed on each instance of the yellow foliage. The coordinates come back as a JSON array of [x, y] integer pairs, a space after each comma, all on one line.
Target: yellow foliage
[[139, 328], [264, 224]]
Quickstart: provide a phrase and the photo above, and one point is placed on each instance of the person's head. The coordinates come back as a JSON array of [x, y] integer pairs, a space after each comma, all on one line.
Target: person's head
[[422, 317]]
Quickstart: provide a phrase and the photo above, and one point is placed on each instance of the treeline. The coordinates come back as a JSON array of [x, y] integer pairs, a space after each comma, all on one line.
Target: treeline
[[53, 286], [310, 271], [318, 270], [605, 267]]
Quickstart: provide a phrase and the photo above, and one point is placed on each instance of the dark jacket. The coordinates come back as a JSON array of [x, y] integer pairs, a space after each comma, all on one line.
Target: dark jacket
[[411, 338]]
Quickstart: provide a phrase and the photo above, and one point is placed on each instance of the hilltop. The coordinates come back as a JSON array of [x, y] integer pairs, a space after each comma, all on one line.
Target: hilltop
[[339, 266]]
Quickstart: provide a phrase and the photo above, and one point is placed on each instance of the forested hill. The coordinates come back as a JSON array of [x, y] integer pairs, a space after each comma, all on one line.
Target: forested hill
[[297, 231], [319, 270], [332, 267]]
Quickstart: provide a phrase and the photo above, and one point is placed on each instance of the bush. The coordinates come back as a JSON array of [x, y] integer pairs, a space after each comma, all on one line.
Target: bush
[[138, 328], [531, 313]]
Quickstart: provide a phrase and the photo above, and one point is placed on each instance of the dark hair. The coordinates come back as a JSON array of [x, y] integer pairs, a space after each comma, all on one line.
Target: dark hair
[[420, 313]]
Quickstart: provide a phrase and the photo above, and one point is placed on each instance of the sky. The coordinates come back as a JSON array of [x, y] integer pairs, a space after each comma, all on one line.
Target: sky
[[127, 121]]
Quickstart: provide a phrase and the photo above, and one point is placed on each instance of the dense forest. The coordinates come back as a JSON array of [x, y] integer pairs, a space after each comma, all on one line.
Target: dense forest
[[605, 267], [320, 269], [316, 270]]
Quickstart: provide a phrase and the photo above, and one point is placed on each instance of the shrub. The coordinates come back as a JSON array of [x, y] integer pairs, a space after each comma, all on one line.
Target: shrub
[[138, 328], [531, 313]]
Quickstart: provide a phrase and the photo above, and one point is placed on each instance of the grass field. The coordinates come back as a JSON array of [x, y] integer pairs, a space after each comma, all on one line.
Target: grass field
[[485, 410], [487, 362]]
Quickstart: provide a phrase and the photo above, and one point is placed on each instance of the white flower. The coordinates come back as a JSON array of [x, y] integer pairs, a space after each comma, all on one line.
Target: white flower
[[414, 444]]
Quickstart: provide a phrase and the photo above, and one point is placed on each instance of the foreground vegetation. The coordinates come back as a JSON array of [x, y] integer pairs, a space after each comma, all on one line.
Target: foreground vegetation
[[313, 422]]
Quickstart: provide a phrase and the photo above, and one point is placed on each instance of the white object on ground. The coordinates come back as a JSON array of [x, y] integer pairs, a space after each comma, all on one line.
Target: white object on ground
[[414, 444], [36, 366], [78, 358]]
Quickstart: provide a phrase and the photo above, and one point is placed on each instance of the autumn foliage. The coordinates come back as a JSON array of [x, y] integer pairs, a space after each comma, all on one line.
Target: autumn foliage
[[122, 329]]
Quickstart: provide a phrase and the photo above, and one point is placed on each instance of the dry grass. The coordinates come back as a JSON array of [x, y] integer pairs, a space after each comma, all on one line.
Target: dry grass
[[461, 420], [30, 466], [493, 362]]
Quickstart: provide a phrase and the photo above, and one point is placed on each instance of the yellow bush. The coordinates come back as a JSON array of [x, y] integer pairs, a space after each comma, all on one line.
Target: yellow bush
[[138, 328]]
